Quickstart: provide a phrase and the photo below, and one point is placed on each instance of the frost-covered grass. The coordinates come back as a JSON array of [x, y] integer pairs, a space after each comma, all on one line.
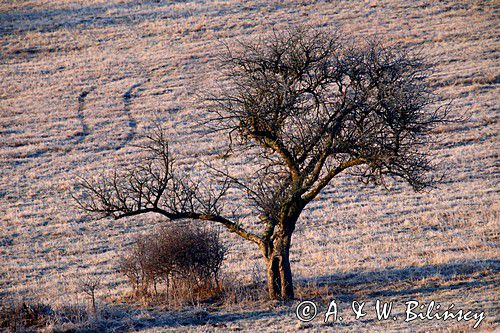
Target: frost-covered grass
[[81, 79]]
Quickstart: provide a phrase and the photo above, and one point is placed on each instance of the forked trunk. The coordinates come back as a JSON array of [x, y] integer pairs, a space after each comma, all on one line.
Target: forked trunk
[[279, 273]]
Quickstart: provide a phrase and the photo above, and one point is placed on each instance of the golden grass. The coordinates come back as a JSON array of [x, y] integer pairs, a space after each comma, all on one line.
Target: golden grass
[[65, 66]]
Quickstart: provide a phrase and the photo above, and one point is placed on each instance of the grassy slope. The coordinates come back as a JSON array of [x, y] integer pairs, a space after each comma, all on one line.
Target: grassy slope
[[80, 80]]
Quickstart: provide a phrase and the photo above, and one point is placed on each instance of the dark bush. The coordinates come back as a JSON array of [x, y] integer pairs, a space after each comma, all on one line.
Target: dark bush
[[18, 316], [185, 260]]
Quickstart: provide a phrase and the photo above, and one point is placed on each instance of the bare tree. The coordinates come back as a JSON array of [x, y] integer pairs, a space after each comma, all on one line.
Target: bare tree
[[306, 108], [89, 285]]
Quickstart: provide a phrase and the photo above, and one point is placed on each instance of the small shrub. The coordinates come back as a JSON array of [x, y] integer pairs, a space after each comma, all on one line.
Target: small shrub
[[89, 285], [184, 259], [19, 316]]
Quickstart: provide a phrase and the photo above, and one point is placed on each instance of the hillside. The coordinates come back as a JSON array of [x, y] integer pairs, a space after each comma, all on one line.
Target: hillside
[[81, 80]]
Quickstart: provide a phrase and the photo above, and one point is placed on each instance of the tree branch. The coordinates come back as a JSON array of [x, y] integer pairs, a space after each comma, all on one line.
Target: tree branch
[[323, 182]]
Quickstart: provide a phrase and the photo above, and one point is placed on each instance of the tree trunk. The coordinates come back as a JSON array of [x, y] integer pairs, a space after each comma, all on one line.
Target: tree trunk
[[279, 273]]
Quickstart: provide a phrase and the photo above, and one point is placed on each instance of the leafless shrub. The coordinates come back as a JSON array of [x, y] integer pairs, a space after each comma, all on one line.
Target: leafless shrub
[[89, 286], [185, 258], [20, 316], [199, 253], [138, 266]]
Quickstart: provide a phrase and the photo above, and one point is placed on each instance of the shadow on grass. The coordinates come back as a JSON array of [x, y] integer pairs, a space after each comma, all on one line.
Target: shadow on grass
[[390, 282], [124, 13], [405, 281], [49, 20], [128, 322]]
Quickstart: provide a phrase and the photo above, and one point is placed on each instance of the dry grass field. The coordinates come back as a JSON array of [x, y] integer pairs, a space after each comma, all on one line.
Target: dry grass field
[[82, 79]]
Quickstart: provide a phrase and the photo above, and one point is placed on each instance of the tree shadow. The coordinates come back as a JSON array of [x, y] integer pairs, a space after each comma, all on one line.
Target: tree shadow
[[390, 282], [128, 323], [345, 287]]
